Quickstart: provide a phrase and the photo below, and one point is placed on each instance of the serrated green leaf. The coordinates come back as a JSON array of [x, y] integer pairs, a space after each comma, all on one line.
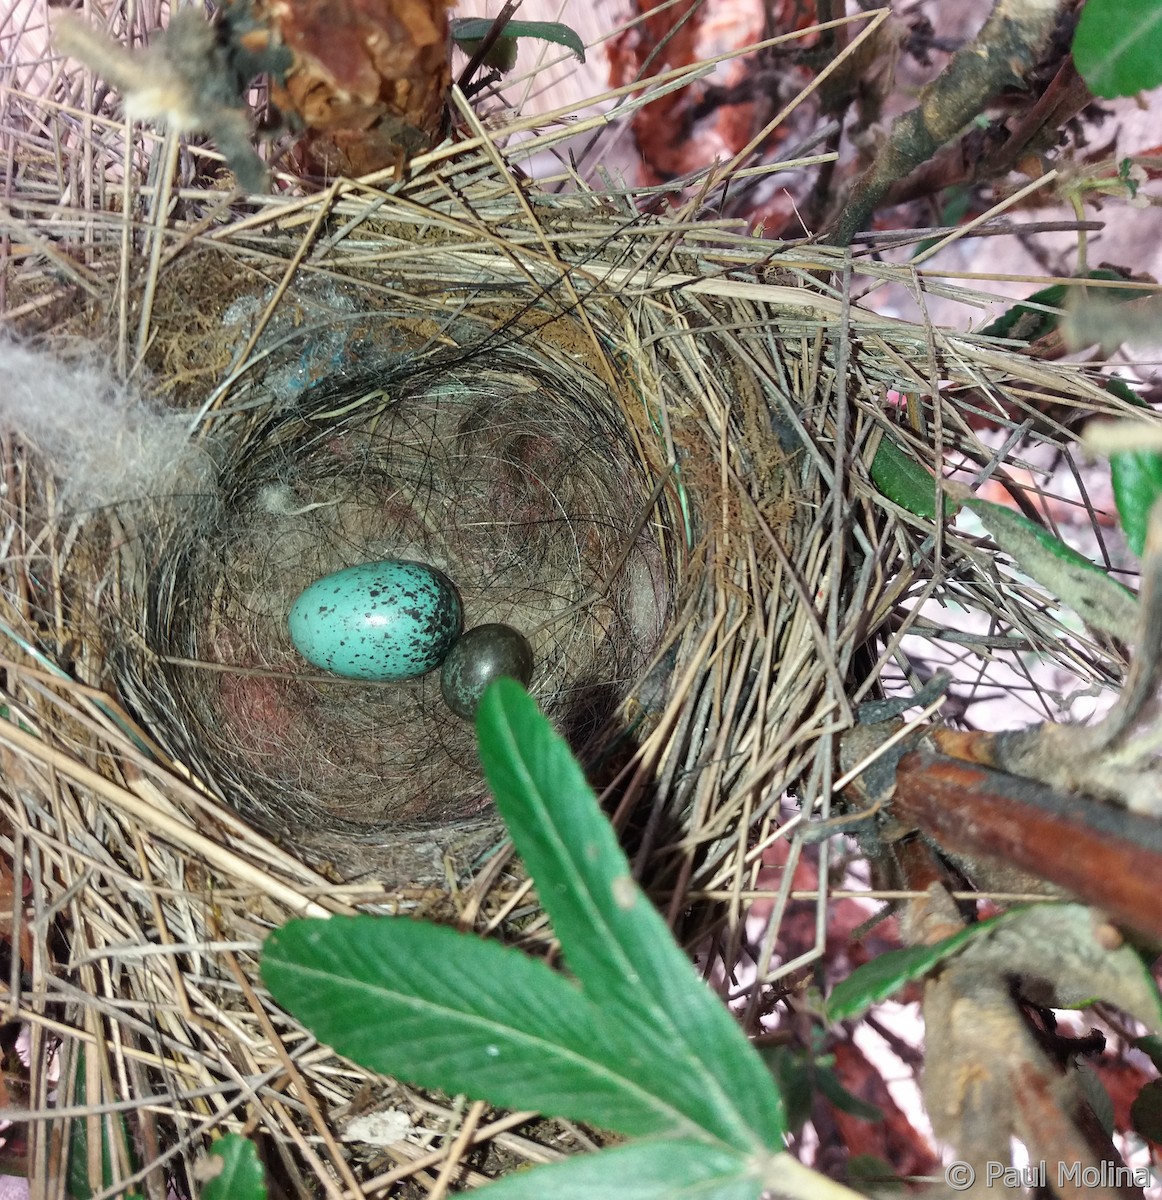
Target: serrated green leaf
[[1118, 46], [241, 1176], [612, 938], [905, 481], [472, 30], [442, 1009], [646, 1049], [656, 1170], [887, 973], [1069, 576], [501, 55], [1137, 480]]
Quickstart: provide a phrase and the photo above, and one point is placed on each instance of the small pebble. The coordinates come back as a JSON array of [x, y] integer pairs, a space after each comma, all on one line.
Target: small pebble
[[381, 621], [480, 656]]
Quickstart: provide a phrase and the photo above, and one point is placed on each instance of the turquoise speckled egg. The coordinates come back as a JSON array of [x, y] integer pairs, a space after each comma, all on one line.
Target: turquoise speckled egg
[[383, 621], [480, 656]]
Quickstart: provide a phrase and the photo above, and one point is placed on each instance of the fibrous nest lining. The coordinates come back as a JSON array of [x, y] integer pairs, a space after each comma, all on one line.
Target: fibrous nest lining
[[678, 420], [498, 457]]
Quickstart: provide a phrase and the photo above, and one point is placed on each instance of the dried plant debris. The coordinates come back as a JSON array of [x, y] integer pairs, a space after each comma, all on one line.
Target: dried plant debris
[[991, 1075], [191, 79], [368, 79]]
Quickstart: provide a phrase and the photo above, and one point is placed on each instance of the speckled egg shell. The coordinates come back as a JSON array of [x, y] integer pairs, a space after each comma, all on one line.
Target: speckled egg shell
[[383, 621], [480, 656]]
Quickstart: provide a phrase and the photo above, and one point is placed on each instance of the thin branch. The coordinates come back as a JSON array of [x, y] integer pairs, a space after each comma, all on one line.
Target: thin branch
[[1003, 52]]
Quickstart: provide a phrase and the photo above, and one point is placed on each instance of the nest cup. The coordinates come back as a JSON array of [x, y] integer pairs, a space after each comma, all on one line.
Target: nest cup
[[488, 447]]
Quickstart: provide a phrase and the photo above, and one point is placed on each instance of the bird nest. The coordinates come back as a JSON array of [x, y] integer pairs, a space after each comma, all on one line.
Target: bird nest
[[644, 441], [487, 443]]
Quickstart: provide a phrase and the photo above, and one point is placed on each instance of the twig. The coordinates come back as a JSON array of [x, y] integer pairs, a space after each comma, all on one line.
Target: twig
[[1004, 50], [456, 1150], [494, 34], [1107, 856]]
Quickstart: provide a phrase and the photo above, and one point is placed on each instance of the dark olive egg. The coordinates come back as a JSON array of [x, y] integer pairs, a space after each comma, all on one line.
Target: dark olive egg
[[480, 656]]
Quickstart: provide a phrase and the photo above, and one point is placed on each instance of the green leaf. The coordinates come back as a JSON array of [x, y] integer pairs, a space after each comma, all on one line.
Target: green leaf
[[1146, 1111], [1082, 585], [887, 973], [1137, 479], [241, 1176], [644, 1048], [501, 55], [844, 1100], [794, 1074], [613, 939], [78, 1185], [469, 32], [874, 1173], [1028, 321], [800, 1076], [1151, 1046], [656, 1170], [448, 1010], [1122, 390], [904, 481], [1118, 46]]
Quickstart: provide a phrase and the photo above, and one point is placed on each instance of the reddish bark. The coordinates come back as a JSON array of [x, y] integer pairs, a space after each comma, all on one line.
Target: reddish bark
[[1109, 857], [894, 1139], [369, 81], [672, 141]]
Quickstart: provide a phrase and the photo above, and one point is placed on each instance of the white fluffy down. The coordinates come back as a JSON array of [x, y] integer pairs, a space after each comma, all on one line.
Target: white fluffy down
[[103, 440]]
